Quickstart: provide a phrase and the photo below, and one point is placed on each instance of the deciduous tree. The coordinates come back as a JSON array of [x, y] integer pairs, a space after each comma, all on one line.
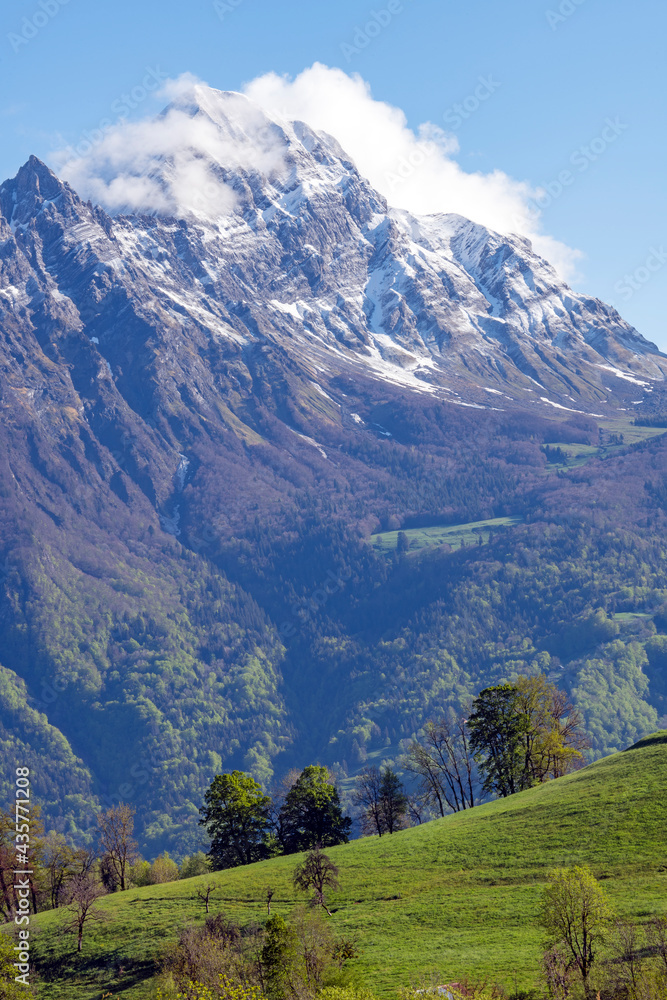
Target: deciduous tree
[[119, 849], [163, 869], [497, 739], [554, 739], [574, 913], [525, 733], [236, 816], [443, 761], [82, 896], [9, 988], [367, 797], [318, 873]]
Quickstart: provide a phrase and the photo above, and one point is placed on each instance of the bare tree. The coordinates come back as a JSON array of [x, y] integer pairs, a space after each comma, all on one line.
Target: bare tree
[[418, 808], [205, 895], [118, 846], [367, 795], [82, 895], [557, 968], [629, 952], [269, 896], [58, 865], [657, 936], [319, 873], [444, 763]]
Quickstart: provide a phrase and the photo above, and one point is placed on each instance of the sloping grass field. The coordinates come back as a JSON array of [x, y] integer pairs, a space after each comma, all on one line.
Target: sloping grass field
[[454, 897], [451, 534]]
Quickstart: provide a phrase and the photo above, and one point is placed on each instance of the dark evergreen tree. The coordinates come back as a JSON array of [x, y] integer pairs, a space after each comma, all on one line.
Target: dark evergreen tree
[[393, 801], [498, 738], [312, 813]]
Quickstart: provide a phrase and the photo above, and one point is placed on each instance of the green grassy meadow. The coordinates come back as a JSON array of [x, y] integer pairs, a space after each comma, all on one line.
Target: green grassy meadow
[[580, 454], [454, 897], [452, 534]]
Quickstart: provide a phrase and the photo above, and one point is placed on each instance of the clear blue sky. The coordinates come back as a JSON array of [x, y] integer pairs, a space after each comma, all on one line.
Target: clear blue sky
[[560, 81]]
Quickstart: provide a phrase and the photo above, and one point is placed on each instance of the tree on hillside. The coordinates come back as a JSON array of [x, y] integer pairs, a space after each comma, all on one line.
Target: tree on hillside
[[367, 797], [524, 733], [279, 792], [443, 761], [8, 897], [393, 801], [312, 813], [204, 895], [236, 817], [60, 864], [574, 913], [319, 873], [163, 869], [554, 738], [82, 897], [194, 864], [497, 739], [119, 849]]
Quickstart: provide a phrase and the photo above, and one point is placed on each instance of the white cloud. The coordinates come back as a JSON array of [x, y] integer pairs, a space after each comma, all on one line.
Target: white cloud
[[416, 172], [174, 164]]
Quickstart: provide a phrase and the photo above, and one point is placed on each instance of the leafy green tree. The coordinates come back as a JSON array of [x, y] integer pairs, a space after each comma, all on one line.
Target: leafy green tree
[[497, 739], [195, 864], [278, 957], [574, 913], [163, 869], [525, 733], [312, 813], [236, 816], [554, 738], [140, 873]]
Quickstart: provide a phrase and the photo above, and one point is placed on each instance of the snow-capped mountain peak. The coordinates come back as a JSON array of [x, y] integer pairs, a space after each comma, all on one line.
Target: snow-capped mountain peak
[[218, 220]]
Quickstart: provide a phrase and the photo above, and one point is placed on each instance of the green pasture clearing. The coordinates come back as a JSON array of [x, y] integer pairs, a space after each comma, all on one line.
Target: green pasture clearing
[[579, 454], [454, 897], [451, 534], [631, 434]]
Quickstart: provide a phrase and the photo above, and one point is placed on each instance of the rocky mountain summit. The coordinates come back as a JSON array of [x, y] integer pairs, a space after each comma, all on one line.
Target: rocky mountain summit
[[280, 243]]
